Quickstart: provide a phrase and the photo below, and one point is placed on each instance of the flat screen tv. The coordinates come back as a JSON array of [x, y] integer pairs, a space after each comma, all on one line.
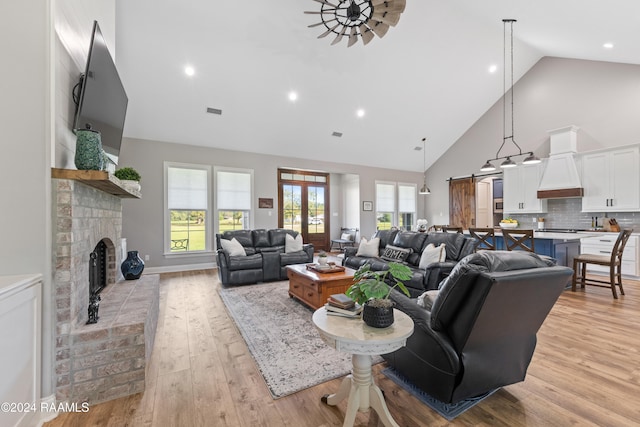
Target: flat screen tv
[[100, 98]]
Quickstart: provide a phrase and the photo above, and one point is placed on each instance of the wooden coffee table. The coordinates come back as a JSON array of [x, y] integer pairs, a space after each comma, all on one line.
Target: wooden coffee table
[[313, 288]]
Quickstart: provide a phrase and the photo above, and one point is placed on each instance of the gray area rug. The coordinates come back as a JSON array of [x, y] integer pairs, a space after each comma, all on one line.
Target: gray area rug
[[282, 338]]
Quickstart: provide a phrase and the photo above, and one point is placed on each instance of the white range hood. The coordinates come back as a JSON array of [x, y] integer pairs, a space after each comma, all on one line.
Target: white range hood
[[560, 177]]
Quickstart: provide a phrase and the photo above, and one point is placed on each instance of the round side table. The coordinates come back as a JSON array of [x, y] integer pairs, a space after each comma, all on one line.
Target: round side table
[[362, 341]]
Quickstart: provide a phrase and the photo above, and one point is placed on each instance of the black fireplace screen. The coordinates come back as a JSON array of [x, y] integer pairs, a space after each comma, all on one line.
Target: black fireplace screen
[[98, 269]]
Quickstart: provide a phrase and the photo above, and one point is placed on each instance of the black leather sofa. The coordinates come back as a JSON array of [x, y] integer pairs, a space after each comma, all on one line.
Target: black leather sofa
[[265, 258], [480, 333], [457, 247]]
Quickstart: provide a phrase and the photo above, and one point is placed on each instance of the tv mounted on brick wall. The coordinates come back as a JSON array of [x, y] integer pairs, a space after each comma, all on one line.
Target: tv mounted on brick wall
[[100, 98]]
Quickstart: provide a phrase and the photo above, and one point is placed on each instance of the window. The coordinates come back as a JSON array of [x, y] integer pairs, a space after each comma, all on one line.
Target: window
[[233, 199], [407, 205], [187, 208], [400, 211], [385, 205]]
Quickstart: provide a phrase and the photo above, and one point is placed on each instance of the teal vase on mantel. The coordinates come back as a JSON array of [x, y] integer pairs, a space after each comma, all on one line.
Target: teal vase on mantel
[[88, 149]]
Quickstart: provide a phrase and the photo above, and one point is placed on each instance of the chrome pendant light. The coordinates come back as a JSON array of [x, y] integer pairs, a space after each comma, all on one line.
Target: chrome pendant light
[[424, 189], [530, 157]]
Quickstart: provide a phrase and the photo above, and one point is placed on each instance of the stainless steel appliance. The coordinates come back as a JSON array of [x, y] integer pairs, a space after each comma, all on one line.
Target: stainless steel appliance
[[498, 205]]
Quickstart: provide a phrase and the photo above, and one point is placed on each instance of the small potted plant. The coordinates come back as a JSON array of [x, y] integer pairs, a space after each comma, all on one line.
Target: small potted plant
[[322, 258], [129, 177], [370, 290]]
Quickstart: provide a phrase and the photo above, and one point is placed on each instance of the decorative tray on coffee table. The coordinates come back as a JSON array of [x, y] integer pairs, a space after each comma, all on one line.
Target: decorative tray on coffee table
[[327, 268]]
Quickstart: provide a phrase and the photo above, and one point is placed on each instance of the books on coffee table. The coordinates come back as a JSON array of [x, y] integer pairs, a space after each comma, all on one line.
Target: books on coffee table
[[345, 312], [340, 301]]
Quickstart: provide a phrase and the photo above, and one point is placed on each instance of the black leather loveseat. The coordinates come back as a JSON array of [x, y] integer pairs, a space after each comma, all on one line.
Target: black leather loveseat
[[266, 256], [480, 333], [457, 247]]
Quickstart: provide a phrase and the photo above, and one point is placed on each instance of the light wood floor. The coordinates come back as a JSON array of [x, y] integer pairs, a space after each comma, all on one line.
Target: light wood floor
[[585, 372]]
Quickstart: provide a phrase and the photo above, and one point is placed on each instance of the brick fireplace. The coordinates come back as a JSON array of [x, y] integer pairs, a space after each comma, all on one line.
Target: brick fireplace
[[105, 360]]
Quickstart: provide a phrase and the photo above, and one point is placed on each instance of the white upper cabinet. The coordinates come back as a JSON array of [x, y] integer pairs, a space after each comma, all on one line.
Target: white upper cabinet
[[611, 180], [521, 190]]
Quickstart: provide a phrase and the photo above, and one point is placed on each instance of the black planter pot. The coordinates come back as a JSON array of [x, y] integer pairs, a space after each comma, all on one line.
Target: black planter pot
[[377, 317]]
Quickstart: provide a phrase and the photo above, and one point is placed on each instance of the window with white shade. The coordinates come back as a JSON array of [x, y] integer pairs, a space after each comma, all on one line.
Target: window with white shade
[[406, 205], [187, 203], [395, 205], [385, 205], [233, 198]]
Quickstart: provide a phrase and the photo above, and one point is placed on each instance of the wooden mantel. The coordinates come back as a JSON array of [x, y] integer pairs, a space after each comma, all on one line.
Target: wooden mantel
[[102, 180]]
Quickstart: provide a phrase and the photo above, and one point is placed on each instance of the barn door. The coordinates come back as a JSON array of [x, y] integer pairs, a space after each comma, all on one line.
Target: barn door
[[462, 202]]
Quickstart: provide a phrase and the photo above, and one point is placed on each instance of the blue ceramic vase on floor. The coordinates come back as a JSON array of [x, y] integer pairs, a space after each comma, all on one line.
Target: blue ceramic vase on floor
[[133, 266]]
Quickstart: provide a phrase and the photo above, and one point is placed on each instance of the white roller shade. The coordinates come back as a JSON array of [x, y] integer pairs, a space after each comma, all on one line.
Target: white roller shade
[[385, 198], [234, 190], [406, 198], [187, 188]]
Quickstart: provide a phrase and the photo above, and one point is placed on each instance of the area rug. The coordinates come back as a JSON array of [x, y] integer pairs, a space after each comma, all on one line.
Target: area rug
[[282, 338], [447, 410]]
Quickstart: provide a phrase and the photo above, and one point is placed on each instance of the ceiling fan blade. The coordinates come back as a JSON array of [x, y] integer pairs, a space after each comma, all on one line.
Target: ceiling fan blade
[[366, 33], [386, 17], [339, 36], [326, 33], [378, 27], [398, 5], [326, 2], [325, 12], [353, 38]]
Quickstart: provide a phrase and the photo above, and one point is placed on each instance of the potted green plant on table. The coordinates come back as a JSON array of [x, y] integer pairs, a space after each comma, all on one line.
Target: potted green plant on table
[[322, 258], [372, 292]]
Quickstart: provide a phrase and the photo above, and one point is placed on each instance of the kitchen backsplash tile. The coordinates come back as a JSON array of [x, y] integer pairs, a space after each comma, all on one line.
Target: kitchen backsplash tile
[[566, 213]]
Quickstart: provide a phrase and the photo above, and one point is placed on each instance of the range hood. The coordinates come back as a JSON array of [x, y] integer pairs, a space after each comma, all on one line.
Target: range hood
[[560, 178]]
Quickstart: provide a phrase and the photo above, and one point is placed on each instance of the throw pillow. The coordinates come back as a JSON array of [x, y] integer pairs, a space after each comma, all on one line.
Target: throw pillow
[[395, 254], [292, 244], [368, 248], [431, 254], [345, 236], [426, 299], [233, 247]]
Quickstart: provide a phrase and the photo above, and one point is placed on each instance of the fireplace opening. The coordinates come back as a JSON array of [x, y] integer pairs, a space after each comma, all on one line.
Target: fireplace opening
[[97, 279]]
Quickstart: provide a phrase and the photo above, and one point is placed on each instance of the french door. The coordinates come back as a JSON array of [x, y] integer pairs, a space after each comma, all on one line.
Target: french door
[[303, 205]]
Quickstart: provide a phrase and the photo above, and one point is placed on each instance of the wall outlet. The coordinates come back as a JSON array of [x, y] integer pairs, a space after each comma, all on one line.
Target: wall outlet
[[146, 257]]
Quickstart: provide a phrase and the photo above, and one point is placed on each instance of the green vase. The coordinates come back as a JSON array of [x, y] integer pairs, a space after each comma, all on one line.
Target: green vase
[[88, 149]]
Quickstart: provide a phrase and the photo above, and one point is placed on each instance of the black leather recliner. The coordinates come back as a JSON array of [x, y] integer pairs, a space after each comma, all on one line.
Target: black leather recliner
[[480, 333], [265, 259]]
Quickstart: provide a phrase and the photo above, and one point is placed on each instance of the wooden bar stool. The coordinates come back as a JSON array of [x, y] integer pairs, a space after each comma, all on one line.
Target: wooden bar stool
[[613, 261], [517, 240], [448, 229], [486, 236]]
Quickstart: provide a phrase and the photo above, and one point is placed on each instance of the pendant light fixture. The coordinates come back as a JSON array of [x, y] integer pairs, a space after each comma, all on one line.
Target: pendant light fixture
[[424, 189], [530, 158]]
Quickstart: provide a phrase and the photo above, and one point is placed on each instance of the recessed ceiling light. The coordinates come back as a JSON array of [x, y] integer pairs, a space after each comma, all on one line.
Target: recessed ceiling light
[[360, 113], [608, 45], [493, 68], [293, 96], [189, 70]]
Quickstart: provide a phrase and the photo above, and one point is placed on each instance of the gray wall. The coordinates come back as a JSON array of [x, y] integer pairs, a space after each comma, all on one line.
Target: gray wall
[[143, 218], [601, 98]]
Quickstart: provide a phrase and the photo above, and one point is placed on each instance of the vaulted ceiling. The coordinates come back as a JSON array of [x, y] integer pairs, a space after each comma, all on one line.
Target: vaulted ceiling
[[428, 77]]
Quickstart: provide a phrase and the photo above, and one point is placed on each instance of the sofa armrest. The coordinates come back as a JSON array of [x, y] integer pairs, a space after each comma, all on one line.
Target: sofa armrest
[[222, 259], [436, 272], [309, 249], [350, 251]]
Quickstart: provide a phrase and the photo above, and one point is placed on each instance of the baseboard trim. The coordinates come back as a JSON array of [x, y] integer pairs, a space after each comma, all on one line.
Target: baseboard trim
[[178, 268], [46, 416]]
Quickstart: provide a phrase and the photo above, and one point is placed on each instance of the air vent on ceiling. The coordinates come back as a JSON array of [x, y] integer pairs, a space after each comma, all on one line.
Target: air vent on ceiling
[[214, 111], [337, 134]]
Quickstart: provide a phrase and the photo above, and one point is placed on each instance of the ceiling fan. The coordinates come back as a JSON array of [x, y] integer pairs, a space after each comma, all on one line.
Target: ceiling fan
[[358, 18]]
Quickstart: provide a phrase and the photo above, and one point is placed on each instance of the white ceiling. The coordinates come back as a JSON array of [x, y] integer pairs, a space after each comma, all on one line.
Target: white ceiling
[[428, 77]]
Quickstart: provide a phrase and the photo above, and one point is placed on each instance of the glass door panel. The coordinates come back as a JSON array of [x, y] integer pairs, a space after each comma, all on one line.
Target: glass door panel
[[292, 207]]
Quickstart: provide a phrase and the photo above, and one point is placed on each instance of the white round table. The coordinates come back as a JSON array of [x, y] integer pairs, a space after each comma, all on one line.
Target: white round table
[[354, 336]]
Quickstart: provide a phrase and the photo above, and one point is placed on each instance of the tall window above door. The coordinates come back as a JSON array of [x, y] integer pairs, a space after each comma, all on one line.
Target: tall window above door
[[187, 208], [233, 198]]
